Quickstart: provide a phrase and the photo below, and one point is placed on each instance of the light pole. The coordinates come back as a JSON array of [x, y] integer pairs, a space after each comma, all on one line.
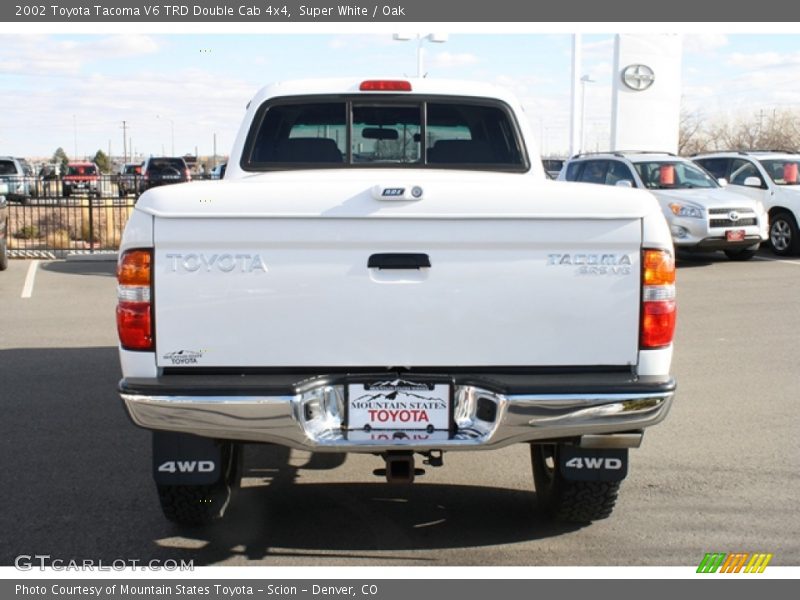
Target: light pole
[[436, 38], [584, 80]]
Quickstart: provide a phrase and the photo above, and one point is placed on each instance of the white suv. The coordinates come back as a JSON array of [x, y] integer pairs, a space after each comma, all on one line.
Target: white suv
[[768, 177], [16, 174], [701, 214]]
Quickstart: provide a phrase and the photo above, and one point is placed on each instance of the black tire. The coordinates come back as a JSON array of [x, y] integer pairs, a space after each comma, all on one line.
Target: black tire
[[67, 192], [742, 253], [4, 253], [784, 236], [198, 505], [571, 501]]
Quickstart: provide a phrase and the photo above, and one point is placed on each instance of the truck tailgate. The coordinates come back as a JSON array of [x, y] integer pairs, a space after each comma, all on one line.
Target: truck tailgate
[[298, 292]]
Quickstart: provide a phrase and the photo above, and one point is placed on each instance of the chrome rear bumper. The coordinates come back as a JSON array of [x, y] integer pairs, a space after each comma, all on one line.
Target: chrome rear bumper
[[482, 419]]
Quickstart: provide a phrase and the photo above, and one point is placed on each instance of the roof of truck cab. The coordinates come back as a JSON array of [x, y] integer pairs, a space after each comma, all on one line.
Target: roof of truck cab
[[425, 86]]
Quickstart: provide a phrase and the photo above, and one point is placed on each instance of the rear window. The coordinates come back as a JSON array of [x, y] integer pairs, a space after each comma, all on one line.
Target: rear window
[[82, 170], [366, 131], [132, 169], [7, 167], [164, 164]]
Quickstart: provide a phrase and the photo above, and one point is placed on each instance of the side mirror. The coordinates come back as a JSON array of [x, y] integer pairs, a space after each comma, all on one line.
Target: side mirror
[[722, 181], [626, 183], [752, 182]]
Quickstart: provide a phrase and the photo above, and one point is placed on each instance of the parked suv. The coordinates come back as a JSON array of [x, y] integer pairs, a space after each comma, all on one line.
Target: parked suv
[[3, 227], [768, 177], [128, 178], [163, 170], [81, 177], [701, 215], [13, 172]]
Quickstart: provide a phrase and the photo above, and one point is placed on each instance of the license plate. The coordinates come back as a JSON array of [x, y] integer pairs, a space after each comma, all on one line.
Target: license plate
[[736, 235], [398, 406]]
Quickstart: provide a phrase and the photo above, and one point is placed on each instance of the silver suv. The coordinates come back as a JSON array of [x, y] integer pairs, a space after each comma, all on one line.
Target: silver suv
[[701, 214], [768, 177], [17, 176]]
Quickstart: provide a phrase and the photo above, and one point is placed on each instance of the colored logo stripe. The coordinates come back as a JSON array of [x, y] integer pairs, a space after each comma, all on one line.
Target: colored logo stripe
[[758, 563], [711, 562], [733, 563]]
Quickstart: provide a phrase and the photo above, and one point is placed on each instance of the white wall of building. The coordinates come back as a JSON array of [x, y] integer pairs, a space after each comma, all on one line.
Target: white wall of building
[[647, 119]]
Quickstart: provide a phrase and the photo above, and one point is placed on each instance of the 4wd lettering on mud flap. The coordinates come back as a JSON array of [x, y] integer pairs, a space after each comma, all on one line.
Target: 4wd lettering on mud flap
[[186, 466], [579, 462]]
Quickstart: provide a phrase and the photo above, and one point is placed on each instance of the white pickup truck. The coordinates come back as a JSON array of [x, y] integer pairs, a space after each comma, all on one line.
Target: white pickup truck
[[385, 269]]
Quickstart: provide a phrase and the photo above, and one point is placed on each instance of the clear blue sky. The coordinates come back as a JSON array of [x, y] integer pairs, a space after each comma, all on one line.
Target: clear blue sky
[[54, 86]]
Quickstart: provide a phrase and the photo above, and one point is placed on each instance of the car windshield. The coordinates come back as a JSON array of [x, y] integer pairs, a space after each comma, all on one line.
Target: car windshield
[[7, 168], [782, 171], [368, 131], [81, 170], [673, 175], [133, 169]]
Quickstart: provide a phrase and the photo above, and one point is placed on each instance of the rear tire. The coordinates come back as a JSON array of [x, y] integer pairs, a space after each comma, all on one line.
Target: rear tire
[[4, 253], [198, 505], [571, 501], [742, 253], [784, 236]]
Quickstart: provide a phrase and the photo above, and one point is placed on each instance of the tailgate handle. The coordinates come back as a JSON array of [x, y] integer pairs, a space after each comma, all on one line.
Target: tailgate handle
[[398, 261]]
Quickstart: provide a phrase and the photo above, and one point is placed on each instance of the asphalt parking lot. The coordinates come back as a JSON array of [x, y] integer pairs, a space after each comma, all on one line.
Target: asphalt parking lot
[[719, 475]]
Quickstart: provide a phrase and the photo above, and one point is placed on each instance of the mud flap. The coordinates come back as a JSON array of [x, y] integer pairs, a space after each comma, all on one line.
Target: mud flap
[[585, 464], [183, 459]]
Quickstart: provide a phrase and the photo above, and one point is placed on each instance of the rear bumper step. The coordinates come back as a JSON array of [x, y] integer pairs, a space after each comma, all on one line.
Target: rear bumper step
[[482, 419]]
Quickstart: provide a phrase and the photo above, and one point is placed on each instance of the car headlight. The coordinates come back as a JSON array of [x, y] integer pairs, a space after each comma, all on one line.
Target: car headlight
[[687, 210]]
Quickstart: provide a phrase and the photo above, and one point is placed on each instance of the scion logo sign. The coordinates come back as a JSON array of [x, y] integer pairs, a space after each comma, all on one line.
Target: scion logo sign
[[224, 263], [183, 357], [638, 77]]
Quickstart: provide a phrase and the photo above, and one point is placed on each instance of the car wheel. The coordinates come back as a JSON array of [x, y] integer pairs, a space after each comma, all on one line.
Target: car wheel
[[4, 253], [742, 253], [197, 505], [572, 501], [67, 192], [783, 234]]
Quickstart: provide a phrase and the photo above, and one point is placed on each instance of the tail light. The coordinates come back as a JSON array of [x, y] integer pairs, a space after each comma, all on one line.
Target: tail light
[[384, 85], [188, 175], [658, 299], [134, 300]]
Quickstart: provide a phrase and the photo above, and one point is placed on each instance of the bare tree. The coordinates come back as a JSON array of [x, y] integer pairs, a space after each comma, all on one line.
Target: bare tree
[[691, 136], [774, 129]]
